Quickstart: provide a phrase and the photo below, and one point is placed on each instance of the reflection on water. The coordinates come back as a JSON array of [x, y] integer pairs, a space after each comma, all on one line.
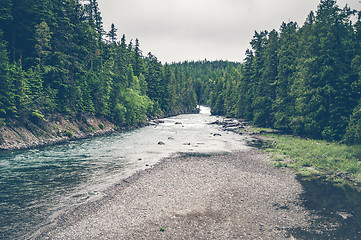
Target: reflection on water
[[36, 184], [337, 208]]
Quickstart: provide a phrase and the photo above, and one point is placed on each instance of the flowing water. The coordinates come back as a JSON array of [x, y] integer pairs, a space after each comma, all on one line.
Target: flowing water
[[39, 184]]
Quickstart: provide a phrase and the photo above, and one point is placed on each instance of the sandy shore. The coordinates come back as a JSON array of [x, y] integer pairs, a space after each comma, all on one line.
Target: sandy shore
[[227, 196]]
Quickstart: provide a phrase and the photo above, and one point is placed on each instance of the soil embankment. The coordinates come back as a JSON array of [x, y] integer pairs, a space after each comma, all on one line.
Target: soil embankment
[[58, 128], [55, 129], [229, 196]]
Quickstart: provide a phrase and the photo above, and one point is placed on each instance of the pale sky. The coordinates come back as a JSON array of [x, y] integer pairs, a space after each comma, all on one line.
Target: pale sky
[[178, 30]]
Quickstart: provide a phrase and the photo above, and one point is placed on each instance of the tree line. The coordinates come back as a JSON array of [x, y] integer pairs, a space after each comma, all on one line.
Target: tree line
[[303, 80], [56, 57]]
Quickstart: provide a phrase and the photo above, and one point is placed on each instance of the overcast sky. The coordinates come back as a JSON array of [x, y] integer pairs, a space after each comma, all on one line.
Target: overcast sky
[[178, 30]]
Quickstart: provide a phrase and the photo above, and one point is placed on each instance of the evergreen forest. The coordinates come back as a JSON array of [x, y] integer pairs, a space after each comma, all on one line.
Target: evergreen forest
[[303, 80], [55, 57]]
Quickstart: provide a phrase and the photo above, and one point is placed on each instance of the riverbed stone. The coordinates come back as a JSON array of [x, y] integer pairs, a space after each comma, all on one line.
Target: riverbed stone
[[227, 196]]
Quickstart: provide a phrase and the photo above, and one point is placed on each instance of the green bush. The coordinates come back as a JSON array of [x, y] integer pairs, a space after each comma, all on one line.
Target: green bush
[[37, 117], [2, 122], [69, 134]]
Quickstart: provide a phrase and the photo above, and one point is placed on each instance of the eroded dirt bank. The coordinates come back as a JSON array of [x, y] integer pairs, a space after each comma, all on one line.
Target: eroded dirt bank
[[228, 196], [54, 129]]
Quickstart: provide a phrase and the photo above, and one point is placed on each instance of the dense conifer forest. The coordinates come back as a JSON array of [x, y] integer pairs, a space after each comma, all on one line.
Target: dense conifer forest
[[304, 80], [55, 57]]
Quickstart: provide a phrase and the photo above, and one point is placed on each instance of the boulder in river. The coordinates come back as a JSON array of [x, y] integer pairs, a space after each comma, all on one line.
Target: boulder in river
[[216, 122], [155, 122], [233, 124], [161, 143]]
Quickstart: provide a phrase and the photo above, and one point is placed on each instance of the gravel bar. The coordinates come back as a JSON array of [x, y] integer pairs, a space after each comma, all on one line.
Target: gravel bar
[[237, 195]]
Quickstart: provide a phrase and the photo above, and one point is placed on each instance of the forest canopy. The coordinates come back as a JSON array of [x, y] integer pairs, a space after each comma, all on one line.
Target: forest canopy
[[304, 79], [56, 57]]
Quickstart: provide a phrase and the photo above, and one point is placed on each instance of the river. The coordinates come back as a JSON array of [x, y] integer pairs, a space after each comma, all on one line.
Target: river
[[38, 185]]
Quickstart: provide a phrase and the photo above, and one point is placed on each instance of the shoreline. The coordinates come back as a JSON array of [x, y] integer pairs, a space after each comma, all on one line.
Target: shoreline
[[237, 195], [57, 129], [333, 161]]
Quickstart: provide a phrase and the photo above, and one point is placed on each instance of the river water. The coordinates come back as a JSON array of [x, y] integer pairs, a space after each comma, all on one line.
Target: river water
[[40, 184]]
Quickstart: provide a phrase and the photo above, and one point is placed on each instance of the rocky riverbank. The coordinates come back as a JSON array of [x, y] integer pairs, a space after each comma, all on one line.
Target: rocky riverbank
[[241, 127], [59, 128], [227, 196], [54, 129]]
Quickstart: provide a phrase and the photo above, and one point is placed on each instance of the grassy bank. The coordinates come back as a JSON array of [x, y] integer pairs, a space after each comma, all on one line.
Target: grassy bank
[[337, 162]]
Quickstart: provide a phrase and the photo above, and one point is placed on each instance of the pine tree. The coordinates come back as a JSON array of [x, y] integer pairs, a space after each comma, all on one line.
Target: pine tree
[[3, 52], [5, 14], [287, 67], [42, 37], [112, 35], [153, 78], [353, 131], [94, 17], [258, 44], [138, 61], [246, 88], [325, 71]]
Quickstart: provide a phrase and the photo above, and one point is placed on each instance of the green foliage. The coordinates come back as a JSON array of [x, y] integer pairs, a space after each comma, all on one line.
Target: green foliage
[[316, 156], [119, 114], [112, 35], [37, 117], [53, 59], [42, 37], [101, 125], [3, 52], [304, 80], [5, 10], [353, 132], [2, 122], [200, 86], [68, 134]]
